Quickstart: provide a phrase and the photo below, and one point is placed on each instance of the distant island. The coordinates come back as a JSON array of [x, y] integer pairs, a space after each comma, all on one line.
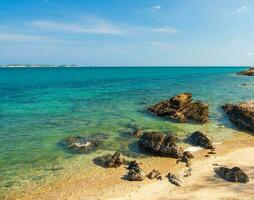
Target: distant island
[[37, 65]]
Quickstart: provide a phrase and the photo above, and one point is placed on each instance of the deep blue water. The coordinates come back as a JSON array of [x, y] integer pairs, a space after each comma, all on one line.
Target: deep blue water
[[41, 106]]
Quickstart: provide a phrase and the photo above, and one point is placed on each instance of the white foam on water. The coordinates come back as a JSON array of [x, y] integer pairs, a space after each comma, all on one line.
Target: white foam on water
[[193, 149]]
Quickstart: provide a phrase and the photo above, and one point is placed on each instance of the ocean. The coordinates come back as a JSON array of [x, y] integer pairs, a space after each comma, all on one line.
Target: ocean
[[39, 107]]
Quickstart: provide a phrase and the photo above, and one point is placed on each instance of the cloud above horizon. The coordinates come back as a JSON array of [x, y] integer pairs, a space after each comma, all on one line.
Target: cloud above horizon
[[242, 9]]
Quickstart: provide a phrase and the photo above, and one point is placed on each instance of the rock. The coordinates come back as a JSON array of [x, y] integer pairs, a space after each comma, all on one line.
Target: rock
[[82, 144], [154, 174], [115, 161], [182, 109], [174, 179], [159, 144], [248, 72], [233, 175], [199, 139], [133, 164], [136, 174], [186, 158], [242, 114]]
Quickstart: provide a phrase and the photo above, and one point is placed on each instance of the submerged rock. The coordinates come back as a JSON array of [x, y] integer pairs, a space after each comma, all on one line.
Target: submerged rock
[[82, 144], [115, 161], [136, 174], [137, 133], [182, 109], [242, 114], [199, 139], [233, 175], [159, 144], [248, 72], [154, 174], [174, 179]]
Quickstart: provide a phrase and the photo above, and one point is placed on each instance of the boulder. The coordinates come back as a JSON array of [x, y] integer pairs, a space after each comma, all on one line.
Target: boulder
[[242, 114], [160, 144], [174, 179], [181, 108], [199, 139], [248, 72], [133, 164], [186, 158], [115, 161], [154, 174], [136, 174], [233, 175]]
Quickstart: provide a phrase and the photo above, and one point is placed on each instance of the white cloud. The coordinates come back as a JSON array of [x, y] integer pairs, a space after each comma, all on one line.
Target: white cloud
[[250, 54], [242, 9], [165, 29], [90, 26], [156, 8]]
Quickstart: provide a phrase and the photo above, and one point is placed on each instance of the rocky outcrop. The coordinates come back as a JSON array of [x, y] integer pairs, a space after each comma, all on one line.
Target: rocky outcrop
[[186, 158], [115, 161], [248, 72], [199, 139], [233, 175], [181, 108], [242, 115], [160, 144]]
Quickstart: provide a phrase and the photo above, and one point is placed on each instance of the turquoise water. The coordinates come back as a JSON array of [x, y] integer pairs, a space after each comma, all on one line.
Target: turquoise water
[[39, 107]]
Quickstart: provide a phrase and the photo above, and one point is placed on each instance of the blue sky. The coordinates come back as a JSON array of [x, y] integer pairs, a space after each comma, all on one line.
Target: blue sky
[[127, 32]]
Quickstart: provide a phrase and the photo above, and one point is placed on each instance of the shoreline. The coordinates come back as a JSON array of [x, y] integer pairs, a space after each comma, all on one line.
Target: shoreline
[[101, 183]]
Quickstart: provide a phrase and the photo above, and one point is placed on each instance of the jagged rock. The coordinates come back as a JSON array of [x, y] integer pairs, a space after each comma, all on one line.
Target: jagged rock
[[159, 144], [136, 174], [186, 158], [248, 72], [233, 175], [115, 161], [182, 109], [154, 174], [242, 114], [174, 179], [133, 164], [199, 139]]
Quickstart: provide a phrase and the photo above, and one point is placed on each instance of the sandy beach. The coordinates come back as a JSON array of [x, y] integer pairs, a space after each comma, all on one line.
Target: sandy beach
[[108, 184]]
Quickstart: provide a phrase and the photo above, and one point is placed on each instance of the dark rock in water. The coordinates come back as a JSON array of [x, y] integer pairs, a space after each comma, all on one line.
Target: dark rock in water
[[199, 139], [82, 144], [174, 179], [248, 72], [242, 115], [159, 144], [233, 175], [136, 174], [182, 109], [154, 174], [115, 161], [102, 159]]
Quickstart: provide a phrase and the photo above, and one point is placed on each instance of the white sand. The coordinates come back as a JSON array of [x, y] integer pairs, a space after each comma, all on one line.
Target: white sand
[[202, 184]]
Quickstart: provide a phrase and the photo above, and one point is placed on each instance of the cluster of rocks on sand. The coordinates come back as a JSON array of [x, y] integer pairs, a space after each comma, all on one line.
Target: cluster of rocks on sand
[[182, 109]]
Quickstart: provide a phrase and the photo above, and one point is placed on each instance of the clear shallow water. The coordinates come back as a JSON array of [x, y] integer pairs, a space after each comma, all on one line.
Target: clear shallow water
[[41, 106]]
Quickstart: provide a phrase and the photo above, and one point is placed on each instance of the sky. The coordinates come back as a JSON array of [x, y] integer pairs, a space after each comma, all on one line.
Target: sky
[[127, 32]]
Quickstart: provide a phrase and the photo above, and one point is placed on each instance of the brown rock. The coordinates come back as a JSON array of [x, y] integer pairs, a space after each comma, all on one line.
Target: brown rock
[[115, 161], [182, 109], [248, 72]]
